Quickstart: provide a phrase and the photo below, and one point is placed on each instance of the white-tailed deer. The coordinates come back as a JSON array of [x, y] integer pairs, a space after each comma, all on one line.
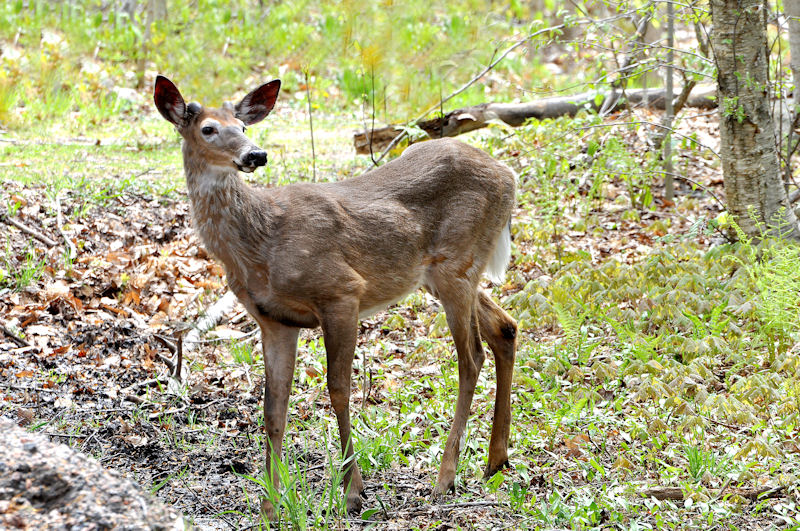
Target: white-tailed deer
[[309, 255]]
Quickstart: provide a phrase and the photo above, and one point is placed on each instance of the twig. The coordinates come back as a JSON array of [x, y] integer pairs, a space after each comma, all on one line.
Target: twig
[[697, 184], [73, 251], [152, 382], [176, 373], [27, 230], [166, 361], [171, 347], [469, 83], [627, 66], [722, 490], [654, 124], [213, 316], [203, 501], [13, 337], [469, 504], [133, 398], [38, 389], [154, 416]]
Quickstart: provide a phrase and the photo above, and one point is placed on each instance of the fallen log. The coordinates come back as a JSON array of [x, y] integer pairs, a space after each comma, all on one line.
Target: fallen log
[[515, 114], [678, 494]]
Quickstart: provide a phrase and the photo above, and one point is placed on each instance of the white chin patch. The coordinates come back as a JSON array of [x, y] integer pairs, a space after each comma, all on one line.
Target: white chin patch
[[246, 169]]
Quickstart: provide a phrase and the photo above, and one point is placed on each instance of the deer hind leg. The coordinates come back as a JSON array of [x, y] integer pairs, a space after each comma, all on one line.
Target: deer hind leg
[[460, 306], [280, 350], [340, 330], [499, 330]]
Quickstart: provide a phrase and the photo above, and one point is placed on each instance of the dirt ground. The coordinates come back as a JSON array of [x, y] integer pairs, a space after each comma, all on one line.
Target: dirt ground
[[91, 370]]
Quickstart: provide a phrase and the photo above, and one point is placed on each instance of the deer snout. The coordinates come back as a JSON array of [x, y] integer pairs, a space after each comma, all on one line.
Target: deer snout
[[255, 158]]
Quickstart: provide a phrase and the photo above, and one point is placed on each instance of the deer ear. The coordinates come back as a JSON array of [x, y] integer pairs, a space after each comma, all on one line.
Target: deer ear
[[169, 101], [256, 106]]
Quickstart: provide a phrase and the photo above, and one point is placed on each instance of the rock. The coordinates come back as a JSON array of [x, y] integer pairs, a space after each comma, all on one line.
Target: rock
[[44, 485]]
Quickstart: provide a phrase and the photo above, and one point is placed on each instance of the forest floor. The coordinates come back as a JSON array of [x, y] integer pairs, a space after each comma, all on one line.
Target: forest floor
[[97, 327]]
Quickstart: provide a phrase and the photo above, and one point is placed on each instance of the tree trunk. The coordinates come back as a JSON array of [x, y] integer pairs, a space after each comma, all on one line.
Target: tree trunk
[[753, 186], [792, 11]]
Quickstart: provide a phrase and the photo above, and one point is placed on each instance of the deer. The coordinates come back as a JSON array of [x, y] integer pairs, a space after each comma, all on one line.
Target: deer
[[310, 255]]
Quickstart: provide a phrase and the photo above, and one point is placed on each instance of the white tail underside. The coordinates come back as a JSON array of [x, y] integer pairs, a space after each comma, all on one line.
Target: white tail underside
[[496, 269]]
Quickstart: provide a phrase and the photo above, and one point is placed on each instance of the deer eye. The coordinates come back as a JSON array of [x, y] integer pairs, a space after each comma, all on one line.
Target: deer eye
[[208, 130]]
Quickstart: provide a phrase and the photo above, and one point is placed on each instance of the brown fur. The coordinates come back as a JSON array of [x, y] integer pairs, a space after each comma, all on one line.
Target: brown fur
[[309, 255]]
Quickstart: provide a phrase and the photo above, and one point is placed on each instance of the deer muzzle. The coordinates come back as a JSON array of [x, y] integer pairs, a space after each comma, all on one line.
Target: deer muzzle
[[252, 160]]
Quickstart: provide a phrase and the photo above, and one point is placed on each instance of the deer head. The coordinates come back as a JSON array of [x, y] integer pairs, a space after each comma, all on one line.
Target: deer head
[[219, 134]]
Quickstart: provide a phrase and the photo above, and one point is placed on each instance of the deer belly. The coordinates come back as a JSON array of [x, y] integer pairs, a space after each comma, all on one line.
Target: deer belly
[[284, 314], [388, 291]]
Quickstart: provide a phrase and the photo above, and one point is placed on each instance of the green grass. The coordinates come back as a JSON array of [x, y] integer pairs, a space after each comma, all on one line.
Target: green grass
[[396, 57]]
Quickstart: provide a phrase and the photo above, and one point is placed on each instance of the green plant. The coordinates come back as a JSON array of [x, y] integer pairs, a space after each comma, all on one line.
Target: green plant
[[25, 271], [242, 353], [300, 504]]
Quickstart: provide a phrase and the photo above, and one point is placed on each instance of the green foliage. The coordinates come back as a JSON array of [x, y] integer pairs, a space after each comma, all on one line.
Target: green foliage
[[242, 353], [19, 272], [777, 289], [301, 504], [732, 109], [396, 56]]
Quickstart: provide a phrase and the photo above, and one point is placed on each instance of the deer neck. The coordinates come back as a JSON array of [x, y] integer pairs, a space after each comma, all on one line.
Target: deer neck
[[224, 210]]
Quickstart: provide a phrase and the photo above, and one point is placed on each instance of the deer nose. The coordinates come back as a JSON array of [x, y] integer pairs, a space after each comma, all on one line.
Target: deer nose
[[255, 158]]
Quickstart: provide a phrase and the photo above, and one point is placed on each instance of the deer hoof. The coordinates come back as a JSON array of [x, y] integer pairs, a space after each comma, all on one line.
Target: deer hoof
[[491, 469], [268, 512], [443, 489], [354, 503]]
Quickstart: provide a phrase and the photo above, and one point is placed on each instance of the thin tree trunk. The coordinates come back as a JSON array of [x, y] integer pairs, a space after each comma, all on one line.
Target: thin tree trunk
[[753, 185], [669, 186], [792, 12]]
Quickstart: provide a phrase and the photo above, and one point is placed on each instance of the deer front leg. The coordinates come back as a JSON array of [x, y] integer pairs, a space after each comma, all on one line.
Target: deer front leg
[[340, 329], [280, 351], [462, 318]]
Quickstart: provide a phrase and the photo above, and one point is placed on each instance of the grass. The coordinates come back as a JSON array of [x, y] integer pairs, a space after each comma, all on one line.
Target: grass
[[391, 57]]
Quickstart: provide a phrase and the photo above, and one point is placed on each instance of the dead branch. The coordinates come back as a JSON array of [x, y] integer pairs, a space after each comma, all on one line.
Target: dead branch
[[152, 382], [213, 316], [173, 411], [73, 251], [29, 231], [171, 347], [515, 114], [389, 145], [760, 494], [176, 373], [14, 337], [664, 493], [677, 493], [628, 66], [133, 398]]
